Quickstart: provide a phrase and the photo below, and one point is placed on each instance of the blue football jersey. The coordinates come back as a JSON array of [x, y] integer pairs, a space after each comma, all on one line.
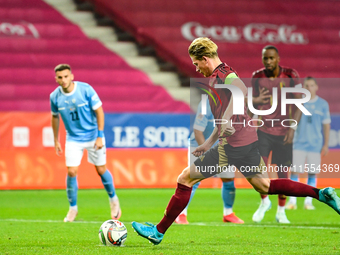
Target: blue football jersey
[[77, 111], [204, 123], [309, 133]]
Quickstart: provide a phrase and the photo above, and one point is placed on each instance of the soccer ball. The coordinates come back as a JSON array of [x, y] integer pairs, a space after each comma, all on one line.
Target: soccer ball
[[112, 233]]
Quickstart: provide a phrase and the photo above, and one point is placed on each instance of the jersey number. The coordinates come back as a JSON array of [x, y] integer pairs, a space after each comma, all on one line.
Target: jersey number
[[74, 115]]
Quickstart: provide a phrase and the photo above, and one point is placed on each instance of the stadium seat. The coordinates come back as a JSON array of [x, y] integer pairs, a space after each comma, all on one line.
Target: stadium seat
[[308, 44], [35, 38]]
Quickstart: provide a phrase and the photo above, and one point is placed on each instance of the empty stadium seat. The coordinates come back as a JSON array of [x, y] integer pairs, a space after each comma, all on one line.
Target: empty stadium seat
[[34, 38], [240, 28]]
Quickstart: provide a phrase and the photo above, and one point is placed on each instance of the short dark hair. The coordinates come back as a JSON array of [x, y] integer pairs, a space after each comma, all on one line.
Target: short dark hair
[[270, 47], [308, 78], [62, 67]]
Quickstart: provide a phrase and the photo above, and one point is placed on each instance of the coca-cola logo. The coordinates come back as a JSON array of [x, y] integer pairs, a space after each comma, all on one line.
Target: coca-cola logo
[[254, 33], [22, 29]]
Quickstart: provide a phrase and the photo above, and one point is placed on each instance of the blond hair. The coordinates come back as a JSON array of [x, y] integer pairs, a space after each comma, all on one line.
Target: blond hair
[[202, 46]]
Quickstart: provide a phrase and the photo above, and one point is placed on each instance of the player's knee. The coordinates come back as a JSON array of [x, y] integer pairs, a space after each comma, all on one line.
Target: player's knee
[[101, 170], [261, 190], [263, 187], [184, 178], [72, 172]]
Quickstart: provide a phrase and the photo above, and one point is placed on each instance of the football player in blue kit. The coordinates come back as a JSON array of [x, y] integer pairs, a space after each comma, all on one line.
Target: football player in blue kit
[[82, 113], [310, 141]]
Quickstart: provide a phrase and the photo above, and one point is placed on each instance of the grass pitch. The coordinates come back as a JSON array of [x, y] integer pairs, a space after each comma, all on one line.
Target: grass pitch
[[31, 222]]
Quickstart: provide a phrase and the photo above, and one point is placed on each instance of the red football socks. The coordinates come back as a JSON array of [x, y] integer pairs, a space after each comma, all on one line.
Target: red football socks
[[176, 205], [265, 159], [292, 188], [282, 200]]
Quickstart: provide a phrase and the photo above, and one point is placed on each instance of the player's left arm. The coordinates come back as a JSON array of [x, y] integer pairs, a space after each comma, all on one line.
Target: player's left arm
[[326, 123], [199, 136], [235, 81], [297, 112], [100, 122], [291, 131], [326, 131], [200, 123]]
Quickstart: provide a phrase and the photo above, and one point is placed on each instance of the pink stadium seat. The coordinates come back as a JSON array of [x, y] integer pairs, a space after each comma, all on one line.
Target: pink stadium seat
[[240, 28], [243, 6], [37, 4], [119, 94], [34, 38], [33, 45], [48, 60], [160, 23], [309, 45], [115, 106], [32, 14], [59, 31], [92, 76]]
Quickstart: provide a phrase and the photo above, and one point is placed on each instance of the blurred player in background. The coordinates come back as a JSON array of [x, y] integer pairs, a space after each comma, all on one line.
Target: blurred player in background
[[238, 146], [83, 116], [310, 141], [274, 137], [203, 127]]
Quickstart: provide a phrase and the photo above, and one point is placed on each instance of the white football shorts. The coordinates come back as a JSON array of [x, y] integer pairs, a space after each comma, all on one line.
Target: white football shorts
[[230, 173], [306, 161], [74, 153]]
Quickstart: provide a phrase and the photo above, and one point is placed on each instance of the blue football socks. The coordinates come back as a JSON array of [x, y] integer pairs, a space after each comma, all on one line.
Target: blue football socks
[[294, 177], [72, 190], [228, 194], [107, 181], [312, 180]]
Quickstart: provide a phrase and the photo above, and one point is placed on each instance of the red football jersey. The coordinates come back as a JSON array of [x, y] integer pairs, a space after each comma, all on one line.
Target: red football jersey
[[287, 77], [244, 134]]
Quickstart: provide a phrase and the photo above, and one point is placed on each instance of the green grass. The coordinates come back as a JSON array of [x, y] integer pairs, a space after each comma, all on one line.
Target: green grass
[[31, 223]]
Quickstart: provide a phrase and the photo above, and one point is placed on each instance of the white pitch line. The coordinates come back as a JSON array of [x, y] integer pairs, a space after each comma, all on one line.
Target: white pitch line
[[205, 224], [261, 226], [50, 221]]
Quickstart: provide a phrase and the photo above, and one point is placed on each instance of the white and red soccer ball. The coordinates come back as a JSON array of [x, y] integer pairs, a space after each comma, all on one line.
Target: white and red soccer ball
[[112, 233]]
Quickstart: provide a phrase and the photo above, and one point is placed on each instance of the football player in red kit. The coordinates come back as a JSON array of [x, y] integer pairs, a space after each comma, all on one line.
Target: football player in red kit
[[237, 146], [273, 135]]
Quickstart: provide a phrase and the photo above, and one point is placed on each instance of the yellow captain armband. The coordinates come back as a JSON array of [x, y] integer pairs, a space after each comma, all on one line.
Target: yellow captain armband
[[230, 78]]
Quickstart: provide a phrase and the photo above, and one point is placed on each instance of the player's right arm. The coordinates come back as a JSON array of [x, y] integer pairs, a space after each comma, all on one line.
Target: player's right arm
[[260, 95], [55, 124], [207, 144], [55, 128]]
